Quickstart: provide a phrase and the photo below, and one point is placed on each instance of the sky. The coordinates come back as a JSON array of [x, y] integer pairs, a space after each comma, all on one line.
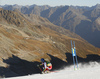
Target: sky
[[52, 2], [89, 70]]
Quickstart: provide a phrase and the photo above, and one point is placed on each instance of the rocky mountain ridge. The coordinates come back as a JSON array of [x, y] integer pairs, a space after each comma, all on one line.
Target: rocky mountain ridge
[[82, 20]]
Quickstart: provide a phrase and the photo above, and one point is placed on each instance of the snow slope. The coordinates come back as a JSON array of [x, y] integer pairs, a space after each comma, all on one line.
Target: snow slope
[[90, 70]]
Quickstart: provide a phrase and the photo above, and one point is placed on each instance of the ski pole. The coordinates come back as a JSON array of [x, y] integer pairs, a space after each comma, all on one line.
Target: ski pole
[[39, 67]]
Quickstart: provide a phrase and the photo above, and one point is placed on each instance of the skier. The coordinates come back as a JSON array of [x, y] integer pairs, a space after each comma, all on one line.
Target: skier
[[47, 66]]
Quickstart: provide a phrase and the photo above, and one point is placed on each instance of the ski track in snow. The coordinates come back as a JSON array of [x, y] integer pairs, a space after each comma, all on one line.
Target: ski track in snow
[[90, 70]]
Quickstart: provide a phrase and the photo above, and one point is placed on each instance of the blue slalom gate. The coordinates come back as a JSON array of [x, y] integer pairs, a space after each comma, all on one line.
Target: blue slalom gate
[[75, 61]]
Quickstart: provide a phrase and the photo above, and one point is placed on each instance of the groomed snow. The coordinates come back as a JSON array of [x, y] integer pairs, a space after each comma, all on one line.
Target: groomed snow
[[85, 71]]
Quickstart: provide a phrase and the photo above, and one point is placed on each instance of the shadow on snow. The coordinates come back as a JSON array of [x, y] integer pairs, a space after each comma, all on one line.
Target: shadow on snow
[[19, 67]]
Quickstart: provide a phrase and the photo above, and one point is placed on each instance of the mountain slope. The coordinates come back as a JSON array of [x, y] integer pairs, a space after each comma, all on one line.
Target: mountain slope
[[31, 42]]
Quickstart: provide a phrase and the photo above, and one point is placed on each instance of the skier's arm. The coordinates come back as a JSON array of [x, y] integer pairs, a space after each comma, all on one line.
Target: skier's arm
[[41, 64]]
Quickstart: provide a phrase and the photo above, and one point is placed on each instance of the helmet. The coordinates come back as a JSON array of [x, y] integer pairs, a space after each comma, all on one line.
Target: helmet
[[42, 59]]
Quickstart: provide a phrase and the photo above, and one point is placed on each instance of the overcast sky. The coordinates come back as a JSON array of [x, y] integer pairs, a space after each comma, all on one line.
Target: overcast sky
[[52, 2]]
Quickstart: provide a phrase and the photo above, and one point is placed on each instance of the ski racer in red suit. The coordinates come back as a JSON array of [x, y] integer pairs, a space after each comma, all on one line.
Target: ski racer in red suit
[[47, 66]]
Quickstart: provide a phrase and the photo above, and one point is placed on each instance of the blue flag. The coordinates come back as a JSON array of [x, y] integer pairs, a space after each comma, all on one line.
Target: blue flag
[[73, 52]]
